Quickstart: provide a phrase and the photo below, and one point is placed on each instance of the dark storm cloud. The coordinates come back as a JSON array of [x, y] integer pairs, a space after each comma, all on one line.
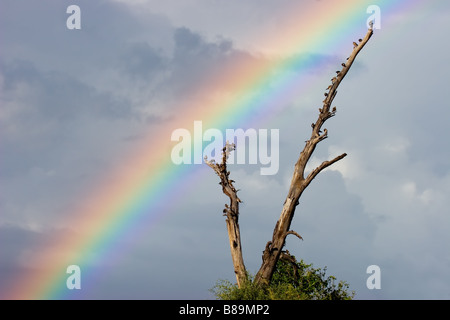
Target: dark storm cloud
[[43, 112], [196, 62], [143, 62], [56, 96]]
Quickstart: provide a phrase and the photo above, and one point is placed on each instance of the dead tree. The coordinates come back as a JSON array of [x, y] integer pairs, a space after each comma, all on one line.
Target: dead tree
[[231, 211], [274, 249]]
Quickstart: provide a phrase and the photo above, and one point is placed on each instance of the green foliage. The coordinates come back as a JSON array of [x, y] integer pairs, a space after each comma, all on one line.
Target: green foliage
[[290, 281]]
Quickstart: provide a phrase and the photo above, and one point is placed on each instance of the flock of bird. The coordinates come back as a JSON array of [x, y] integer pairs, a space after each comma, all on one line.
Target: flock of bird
[[338, 72], [334, 79]]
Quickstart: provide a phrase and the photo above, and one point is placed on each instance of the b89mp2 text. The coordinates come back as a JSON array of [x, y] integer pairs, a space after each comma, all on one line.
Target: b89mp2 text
[[246, 309]]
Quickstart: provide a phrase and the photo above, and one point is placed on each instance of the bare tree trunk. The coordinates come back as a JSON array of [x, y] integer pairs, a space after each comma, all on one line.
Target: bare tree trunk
[[273, 250], [231, 211], [299, 183]]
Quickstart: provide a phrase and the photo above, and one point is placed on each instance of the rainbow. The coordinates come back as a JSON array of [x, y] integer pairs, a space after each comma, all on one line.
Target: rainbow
[[132, 198]]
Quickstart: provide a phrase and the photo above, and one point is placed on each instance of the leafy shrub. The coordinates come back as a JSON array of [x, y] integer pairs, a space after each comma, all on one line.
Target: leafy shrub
[[290, 281]]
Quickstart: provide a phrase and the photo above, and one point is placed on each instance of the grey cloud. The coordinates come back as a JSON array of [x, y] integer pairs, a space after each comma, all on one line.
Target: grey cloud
[[195, 60], [143, 62], [57, 96], [44, 110]]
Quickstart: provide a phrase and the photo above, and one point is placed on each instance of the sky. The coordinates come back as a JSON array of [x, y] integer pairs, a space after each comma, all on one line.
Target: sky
[[75, 105]]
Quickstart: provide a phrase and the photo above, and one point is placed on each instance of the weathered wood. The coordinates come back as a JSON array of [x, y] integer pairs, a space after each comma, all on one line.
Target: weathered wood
[[231, 211], [274, 249], [299, 182]]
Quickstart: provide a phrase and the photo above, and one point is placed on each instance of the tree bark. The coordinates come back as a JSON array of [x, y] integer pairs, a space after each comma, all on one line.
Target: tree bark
[[274, 248], [231, 211], [299, 182]]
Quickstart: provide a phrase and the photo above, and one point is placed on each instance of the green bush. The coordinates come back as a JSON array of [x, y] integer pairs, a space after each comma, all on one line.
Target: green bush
[[290, 281]]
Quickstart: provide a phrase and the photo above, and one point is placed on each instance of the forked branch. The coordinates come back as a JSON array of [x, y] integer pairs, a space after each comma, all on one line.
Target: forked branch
[[299, 183], [273, 250]]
